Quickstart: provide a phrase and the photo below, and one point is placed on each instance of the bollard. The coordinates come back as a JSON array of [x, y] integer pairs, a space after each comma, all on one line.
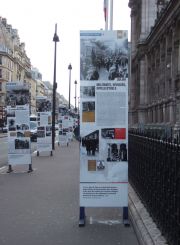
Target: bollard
[[82, 216], [9, 169], [30, 168], [125, 217]]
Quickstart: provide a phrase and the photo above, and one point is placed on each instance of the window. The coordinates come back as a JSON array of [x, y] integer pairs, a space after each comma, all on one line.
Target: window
[[0, 73], [0, 60]]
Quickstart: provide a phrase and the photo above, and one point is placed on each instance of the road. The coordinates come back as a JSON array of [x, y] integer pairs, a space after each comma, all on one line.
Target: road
[[3, 151]]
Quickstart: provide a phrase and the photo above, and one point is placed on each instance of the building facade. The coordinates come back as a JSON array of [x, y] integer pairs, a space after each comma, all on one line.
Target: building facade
[[6, 57], [16, 66], [60, 100], [154, 100], [37, 76], [33, 89], [14, 63]]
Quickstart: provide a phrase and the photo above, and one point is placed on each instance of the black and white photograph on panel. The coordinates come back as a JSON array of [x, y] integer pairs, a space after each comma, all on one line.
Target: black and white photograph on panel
[[87, 91], [11, 123], [41, 132], [107, 133], [116, 152], [19, 145], [90, 144], [17, 94], [113, 133], [10, 112], [20, 134], [103, 57], [22, 143], [22, 126], [100, 164], [48, 131], [43, 104]]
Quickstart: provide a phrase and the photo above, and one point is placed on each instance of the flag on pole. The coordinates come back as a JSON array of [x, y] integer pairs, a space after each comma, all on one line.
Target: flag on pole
[[105, 9]]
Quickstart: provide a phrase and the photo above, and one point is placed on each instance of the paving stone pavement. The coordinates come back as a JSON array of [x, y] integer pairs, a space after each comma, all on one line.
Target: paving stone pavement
[[146, 230], [42, 184], [42, 207]]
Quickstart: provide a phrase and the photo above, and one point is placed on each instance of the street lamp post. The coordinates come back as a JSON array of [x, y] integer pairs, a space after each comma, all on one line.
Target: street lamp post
[[70, 68], [75, 82], [78, 118], [55, 40]]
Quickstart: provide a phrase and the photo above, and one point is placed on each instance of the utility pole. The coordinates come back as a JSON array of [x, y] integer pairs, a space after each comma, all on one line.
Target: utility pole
[[111, 15]]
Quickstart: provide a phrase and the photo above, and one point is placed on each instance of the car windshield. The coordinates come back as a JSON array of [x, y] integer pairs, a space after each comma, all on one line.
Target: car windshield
[[33, 125]]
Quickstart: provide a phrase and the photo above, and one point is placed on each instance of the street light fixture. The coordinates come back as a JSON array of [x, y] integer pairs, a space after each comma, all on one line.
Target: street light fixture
[[55, 40], [69, 68], [75, 82]]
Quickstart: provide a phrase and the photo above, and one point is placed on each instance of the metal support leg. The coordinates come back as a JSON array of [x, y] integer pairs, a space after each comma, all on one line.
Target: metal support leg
[[30, 168], [125, 216], [82, 216], [9, 169]]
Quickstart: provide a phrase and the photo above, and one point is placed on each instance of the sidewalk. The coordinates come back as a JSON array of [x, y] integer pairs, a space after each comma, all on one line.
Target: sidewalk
[[42, 208]]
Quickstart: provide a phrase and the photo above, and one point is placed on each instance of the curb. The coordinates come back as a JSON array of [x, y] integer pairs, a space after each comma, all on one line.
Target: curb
[[145, 229]]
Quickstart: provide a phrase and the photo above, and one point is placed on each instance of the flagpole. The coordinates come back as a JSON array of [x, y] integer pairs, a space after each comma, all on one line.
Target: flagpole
[[111, 15], [106, 13]]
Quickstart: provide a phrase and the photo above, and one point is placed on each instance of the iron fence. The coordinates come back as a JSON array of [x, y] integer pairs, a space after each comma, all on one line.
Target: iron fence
[[154, 172]]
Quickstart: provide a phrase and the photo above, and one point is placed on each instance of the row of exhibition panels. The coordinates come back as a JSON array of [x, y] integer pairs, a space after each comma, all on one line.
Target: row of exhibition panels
[[20, 134]]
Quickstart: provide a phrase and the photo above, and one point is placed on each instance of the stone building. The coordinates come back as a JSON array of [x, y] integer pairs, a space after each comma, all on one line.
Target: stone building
[[14, 63], [37, 76], [6, 57], [33, 89], [155, 65], [60, 99]]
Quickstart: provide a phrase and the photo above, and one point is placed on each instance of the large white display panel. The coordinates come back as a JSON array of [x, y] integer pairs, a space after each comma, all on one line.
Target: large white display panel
[[44, 124], [104, 119], [18, 123]]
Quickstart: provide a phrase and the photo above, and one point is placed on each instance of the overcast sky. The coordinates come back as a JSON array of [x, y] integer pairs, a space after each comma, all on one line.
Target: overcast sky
[[35, 21]]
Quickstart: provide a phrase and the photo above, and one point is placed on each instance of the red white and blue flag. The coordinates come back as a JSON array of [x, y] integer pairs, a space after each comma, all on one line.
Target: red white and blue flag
[[105, 9]]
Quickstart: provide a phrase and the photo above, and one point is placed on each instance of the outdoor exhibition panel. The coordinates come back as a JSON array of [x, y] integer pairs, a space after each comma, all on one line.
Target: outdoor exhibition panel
[[104, 119], [44, 124], [66, 125], [70, 125], [18, 123], [63, 130]]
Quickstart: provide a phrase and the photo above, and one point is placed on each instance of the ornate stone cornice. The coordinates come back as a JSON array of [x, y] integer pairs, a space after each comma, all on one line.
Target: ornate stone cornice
[[166, 21]]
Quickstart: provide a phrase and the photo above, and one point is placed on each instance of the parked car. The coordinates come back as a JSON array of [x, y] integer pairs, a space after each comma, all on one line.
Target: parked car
[[4, 129], [33, 130]]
